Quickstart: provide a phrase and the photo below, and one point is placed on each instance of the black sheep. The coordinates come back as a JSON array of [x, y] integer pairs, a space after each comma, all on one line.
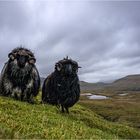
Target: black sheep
[[62, 86], [19, 77]]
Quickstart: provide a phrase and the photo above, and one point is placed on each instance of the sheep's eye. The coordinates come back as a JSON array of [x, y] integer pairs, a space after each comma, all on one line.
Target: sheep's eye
[[74, 68]]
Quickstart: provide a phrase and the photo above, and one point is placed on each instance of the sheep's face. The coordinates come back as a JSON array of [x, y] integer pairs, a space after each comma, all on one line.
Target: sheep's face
[[21, 59], [21, 62], [67, 67]]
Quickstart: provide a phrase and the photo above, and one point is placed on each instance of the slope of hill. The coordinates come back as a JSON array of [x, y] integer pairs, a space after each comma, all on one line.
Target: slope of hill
[[128, 83], [85, 86], [23, 120]]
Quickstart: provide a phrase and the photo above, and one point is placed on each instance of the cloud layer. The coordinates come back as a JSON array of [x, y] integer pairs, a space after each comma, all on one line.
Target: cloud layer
[[102, 36]]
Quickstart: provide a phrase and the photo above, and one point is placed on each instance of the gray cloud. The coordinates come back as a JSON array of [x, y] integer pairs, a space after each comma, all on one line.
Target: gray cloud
[[102, 36]]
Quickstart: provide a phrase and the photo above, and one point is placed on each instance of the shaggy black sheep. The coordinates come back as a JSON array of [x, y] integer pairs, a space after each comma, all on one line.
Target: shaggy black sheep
[[62, 86], [19, 77]]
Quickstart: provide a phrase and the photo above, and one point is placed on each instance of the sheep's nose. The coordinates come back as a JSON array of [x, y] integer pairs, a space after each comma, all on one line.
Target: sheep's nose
[[68, 69], [21, 61]]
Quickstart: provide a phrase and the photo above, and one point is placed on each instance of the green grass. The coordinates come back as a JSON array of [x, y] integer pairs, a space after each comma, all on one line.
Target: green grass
[[23, 120], [121, 109]]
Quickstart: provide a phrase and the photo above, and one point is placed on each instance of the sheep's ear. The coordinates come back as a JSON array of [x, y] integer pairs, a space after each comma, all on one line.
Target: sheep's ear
[[11, 56], [32, 60], [58, 66]]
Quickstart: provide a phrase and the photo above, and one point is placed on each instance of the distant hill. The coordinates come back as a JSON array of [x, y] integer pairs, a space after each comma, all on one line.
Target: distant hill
[[85, 86], [128, 83]]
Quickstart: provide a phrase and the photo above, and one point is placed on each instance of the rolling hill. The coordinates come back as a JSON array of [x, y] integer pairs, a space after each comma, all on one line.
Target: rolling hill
[[128, 83], [20, 120], [85, 86]]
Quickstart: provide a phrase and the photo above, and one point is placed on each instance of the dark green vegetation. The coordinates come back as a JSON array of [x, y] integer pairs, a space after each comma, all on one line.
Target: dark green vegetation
[[122, 109], [23, 120]]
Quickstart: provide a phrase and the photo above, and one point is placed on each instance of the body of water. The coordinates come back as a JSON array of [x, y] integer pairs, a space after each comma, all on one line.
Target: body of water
[[94, 97], [123, 94]]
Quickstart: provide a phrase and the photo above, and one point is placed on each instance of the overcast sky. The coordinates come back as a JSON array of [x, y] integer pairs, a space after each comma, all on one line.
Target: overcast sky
[[103, 37]]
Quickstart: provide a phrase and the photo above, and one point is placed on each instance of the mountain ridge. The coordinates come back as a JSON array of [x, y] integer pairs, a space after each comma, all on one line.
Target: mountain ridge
[[129, 82]]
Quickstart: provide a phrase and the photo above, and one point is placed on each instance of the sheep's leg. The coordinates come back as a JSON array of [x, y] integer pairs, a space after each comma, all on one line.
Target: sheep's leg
[[58, 106], [62, 108], [16, 93], [15, 96], [67, 109], [29, 92], [22, 96], [27, 97], [30, 98]]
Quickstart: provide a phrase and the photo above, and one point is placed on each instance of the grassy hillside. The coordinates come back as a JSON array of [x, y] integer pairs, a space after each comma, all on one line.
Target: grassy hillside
[[23, 120], [122, 109]]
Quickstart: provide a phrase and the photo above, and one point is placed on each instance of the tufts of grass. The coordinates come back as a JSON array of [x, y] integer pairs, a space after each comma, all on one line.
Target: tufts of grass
[[20, 120]]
